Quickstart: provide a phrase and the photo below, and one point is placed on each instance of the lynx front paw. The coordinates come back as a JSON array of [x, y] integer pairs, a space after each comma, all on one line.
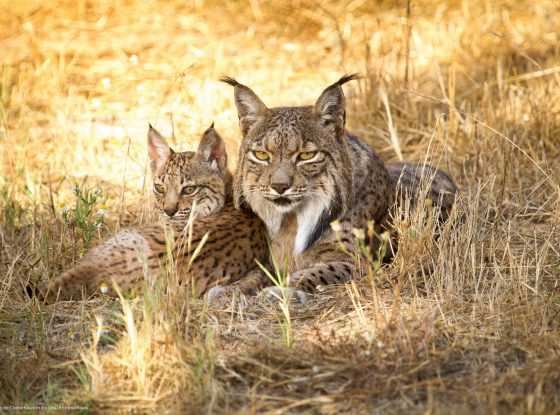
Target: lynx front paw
[[222, 295], [217, 294], [284, 294]]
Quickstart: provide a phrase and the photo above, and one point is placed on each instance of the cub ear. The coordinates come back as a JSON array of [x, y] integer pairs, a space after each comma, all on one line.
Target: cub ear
[[331, 106], [158, 150], [212, 149], [250, 108]]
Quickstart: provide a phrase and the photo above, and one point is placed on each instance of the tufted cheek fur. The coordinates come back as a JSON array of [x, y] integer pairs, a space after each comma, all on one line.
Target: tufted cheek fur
[[238, 177]]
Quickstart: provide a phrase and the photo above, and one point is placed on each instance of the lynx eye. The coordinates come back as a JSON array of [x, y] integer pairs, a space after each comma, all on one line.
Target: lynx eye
[[306, 155], [261, 155], [189, 190], [159, 188]]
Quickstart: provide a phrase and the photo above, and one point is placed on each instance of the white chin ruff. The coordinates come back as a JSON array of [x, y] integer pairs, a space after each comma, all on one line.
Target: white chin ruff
[[283, 209], [307, 218], [308, 213]]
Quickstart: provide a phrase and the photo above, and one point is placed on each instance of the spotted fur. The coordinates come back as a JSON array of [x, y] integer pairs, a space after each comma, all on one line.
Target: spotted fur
[[236, 238], [189, 180], [410, 178], [299, 170]]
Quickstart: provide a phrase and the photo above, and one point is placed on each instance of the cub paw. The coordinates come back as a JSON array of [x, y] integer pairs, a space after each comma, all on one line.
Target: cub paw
[[222, 295], [216, 293], [284, 293]]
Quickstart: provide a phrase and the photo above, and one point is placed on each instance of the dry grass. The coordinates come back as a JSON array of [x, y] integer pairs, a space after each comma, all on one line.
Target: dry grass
[[469, 323]]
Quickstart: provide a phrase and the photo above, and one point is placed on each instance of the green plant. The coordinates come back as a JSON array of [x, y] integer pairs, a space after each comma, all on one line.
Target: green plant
[[12, 212], [280, 279], [83, 216]]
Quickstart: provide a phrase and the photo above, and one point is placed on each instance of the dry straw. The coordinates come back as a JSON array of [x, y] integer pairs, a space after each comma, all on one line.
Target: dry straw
[[467, 323]]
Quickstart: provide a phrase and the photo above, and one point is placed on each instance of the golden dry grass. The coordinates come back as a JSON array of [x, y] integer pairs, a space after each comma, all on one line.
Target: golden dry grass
[[466, 324]]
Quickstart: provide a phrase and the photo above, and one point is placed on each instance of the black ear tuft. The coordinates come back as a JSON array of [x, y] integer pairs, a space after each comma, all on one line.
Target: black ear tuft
[[229, 80], [209, 130], [331, 105], [347, 78], [250, 108]]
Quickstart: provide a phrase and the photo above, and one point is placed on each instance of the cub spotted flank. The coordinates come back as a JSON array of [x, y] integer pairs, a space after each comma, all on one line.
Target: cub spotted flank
[[189, 183], [299, 170]]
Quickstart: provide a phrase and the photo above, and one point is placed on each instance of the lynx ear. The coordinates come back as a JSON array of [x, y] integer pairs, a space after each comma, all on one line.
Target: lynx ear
[[331, 106], [158, 150], [250, 108], [212, 149]]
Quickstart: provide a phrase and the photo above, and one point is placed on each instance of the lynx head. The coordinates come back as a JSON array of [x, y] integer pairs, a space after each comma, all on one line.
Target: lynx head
[[293, 159], [189, 179]]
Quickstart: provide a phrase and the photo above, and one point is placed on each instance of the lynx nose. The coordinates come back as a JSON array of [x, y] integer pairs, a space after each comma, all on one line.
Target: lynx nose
[[170, 211], [281, 180], [280, 188]]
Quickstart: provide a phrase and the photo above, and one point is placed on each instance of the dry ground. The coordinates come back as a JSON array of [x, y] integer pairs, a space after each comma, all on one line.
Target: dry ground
[[468, 324]]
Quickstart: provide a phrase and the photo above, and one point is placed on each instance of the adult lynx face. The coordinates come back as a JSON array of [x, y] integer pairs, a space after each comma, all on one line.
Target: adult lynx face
[[187, 180], [294, 160]]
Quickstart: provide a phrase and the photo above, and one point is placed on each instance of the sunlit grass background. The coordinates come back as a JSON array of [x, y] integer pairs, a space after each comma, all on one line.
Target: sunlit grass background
[[466, 324]]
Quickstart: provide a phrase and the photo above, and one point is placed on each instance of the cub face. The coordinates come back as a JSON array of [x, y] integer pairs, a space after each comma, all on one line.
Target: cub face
[[189, 180], [292, 159]]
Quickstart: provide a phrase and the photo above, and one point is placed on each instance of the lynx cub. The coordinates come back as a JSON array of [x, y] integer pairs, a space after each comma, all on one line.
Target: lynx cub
[[299, 170], [182, 182], [189, 180]]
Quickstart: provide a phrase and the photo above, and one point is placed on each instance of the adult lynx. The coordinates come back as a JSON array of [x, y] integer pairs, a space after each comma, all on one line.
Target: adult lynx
[[299, 170]]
